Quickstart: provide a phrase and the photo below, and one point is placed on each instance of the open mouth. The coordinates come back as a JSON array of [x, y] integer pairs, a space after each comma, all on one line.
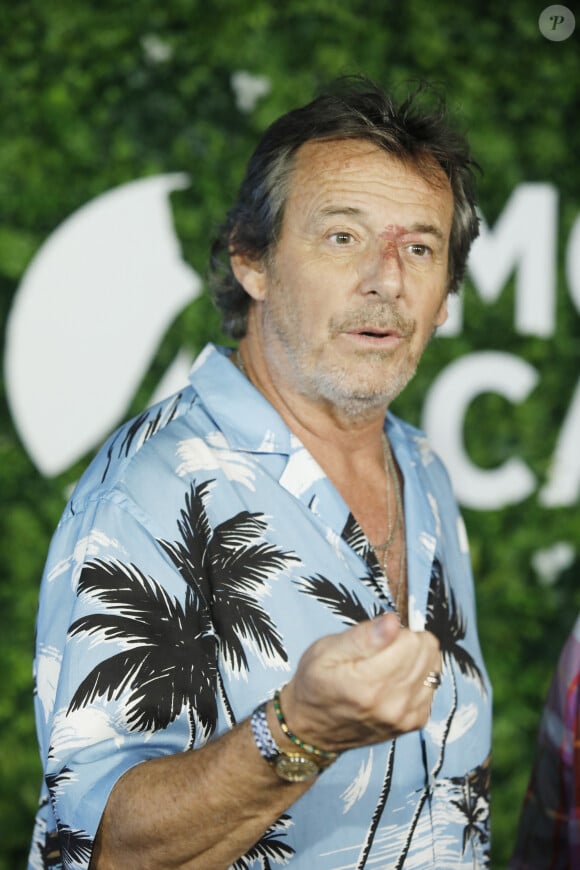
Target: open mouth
[[373, 332]]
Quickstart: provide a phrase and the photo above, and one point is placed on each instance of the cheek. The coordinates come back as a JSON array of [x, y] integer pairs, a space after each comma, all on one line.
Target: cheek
[[312, 304], [425, 327], [306, 298]]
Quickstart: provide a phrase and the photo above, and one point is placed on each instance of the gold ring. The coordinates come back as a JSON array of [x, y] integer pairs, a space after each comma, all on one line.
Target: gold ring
[[432, 680]]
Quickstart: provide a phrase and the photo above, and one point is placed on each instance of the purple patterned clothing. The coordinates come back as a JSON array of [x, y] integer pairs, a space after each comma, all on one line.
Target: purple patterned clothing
[[549, 829]]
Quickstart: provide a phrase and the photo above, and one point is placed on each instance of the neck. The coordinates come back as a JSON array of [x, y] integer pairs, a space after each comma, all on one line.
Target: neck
[[313, 421]]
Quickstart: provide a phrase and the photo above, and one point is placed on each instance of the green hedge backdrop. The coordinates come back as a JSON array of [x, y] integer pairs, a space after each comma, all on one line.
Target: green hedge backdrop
[[95, 95]]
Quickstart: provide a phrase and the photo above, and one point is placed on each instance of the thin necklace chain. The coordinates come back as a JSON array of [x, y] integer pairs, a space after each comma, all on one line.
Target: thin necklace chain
[[381, 551], [392, 479]]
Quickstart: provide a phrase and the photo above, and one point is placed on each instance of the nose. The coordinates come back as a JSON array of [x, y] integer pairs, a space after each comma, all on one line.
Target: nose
[[383, 274]]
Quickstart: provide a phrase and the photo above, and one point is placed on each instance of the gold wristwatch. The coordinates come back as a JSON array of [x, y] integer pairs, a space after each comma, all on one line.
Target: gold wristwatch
[[295, 767], [290, 766]]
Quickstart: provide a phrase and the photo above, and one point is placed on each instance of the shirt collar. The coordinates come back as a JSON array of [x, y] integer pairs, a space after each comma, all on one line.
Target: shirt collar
[[239, 410]]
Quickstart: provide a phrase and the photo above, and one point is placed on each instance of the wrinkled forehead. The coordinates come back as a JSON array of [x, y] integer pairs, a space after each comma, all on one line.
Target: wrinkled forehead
[[358, 175], [342, 154]]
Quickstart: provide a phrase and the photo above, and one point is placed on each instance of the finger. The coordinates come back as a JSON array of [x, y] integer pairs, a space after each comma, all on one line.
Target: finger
[[436, 646], [365, 640], [405, 661], [386, 628]]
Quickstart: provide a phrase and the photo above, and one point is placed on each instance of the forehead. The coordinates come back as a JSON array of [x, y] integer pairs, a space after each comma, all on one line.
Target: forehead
[[356, 174]]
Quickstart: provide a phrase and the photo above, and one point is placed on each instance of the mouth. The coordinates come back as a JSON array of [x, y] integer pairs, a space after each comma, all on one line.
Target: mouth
[[374, 335], [375, 332]]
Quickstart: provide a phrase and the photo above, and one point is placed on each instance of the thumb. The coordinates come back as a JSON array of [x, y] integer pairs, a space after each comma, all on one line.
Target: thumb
[[385, 629], [370, 637]]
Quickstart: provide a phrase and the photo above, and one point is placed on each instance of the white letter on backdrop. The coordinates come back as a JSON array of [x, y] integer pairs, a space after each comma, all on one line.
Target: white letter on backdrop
[[443, 420], [563, 484], [523, 240]]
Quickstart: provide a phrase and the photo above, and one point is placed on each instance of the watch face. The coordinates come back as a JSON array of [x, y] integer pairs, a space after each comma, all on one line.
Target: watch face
[[295, 768]]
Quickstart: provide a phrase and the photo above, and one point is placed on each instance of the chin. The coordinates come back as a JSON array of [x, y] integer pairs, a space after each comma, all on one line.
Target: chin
[[377, 386], [359, 387], [357, 400]]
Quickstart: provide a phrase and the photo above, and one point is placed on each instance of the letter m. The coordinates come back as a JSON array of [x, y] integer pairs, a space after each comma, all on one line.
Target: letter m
[[523, 240]]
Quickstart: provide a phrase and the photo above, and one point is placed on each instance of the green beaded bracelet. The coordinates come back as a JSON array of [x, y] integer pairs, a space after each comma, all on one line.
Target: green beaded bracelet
[[323, 754]]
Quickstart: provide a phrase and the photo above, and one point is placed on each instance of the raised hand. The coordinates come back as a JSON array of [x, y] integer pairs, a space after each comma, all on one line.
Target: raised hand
[[362, 686]]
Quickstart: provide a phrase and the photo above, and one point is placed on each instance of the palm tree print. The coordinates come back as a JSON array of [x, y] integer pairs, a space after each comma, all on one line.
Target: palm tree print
[[338, 599], [374, 579], [446, 622], [67, 846], [475, 814], [75, 846], [169, 661], [228, 569], [50, 853], [473, 805], [268, 849], [142, 428]]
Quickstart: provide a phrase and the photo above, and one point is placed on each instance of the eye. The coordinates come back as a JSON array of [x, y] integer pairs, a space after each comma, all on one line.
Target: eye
[[342, 238], [419, 250]]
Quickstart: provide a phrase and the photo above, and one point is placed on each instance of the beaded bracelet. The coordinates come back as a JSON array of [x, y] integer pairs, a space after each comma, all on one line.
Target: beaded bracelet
[[322, 754]]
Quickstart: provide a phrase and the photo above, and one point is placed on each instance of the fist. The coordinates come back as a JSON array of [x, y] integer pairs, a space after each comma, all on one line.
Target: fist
[[365, 685]]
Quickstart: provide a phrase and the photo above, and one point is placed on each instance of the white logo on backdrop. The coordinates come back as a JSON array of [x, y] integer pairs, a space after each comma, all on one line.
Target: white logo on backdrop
[[88, 317]]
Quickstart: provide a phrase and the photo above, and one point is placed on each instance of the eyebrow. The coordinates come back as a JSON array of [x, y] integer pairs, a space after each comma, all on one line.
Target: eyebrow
[[338, 211], [427, 229], [352, 211]]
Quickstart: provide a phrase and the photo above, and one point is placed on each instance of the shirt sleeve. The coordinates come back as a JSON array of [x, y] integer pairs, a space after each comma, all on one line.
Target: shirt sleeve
[[119, 634]]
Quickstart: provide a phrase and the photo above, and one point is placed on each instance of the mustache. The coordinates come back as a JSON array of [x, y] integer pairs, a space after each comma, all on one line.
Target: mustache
[[381, 317]]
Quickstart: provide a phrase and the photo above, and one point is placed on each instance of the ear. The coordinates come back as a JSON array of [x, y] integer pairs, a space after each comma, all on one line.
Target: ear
[[442, 314], [251, 274]]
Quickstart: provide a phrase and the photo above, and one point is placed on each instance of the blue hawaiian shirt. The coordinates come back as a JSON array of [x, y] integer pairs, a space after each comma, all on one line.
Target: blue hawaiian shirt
[[201, 553]]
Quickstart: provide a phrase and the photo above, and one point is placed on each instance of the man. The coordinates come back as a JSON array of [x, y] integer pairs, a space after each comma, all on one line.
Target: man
[[266, 569], [549, 827]]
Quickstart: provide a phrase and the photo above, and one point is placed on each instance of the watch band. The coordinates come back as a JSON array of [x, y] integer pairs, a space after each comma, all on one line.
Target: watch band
[[290, 766], [263, 738]]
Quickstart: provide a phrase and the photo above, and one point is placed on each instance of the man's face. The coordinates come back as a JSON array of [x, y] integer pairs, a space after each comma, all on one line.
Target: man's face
[[358, 279]]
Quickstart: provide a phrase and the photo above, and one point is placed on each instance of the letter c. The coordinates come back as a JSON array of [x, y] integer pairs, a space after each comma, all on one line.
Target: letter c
[[444, 413]]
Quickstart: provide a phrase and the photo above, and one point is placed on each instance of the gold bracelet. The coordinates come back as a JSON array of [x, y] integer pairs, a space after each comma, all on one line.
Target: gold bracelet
[[323, 754]]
